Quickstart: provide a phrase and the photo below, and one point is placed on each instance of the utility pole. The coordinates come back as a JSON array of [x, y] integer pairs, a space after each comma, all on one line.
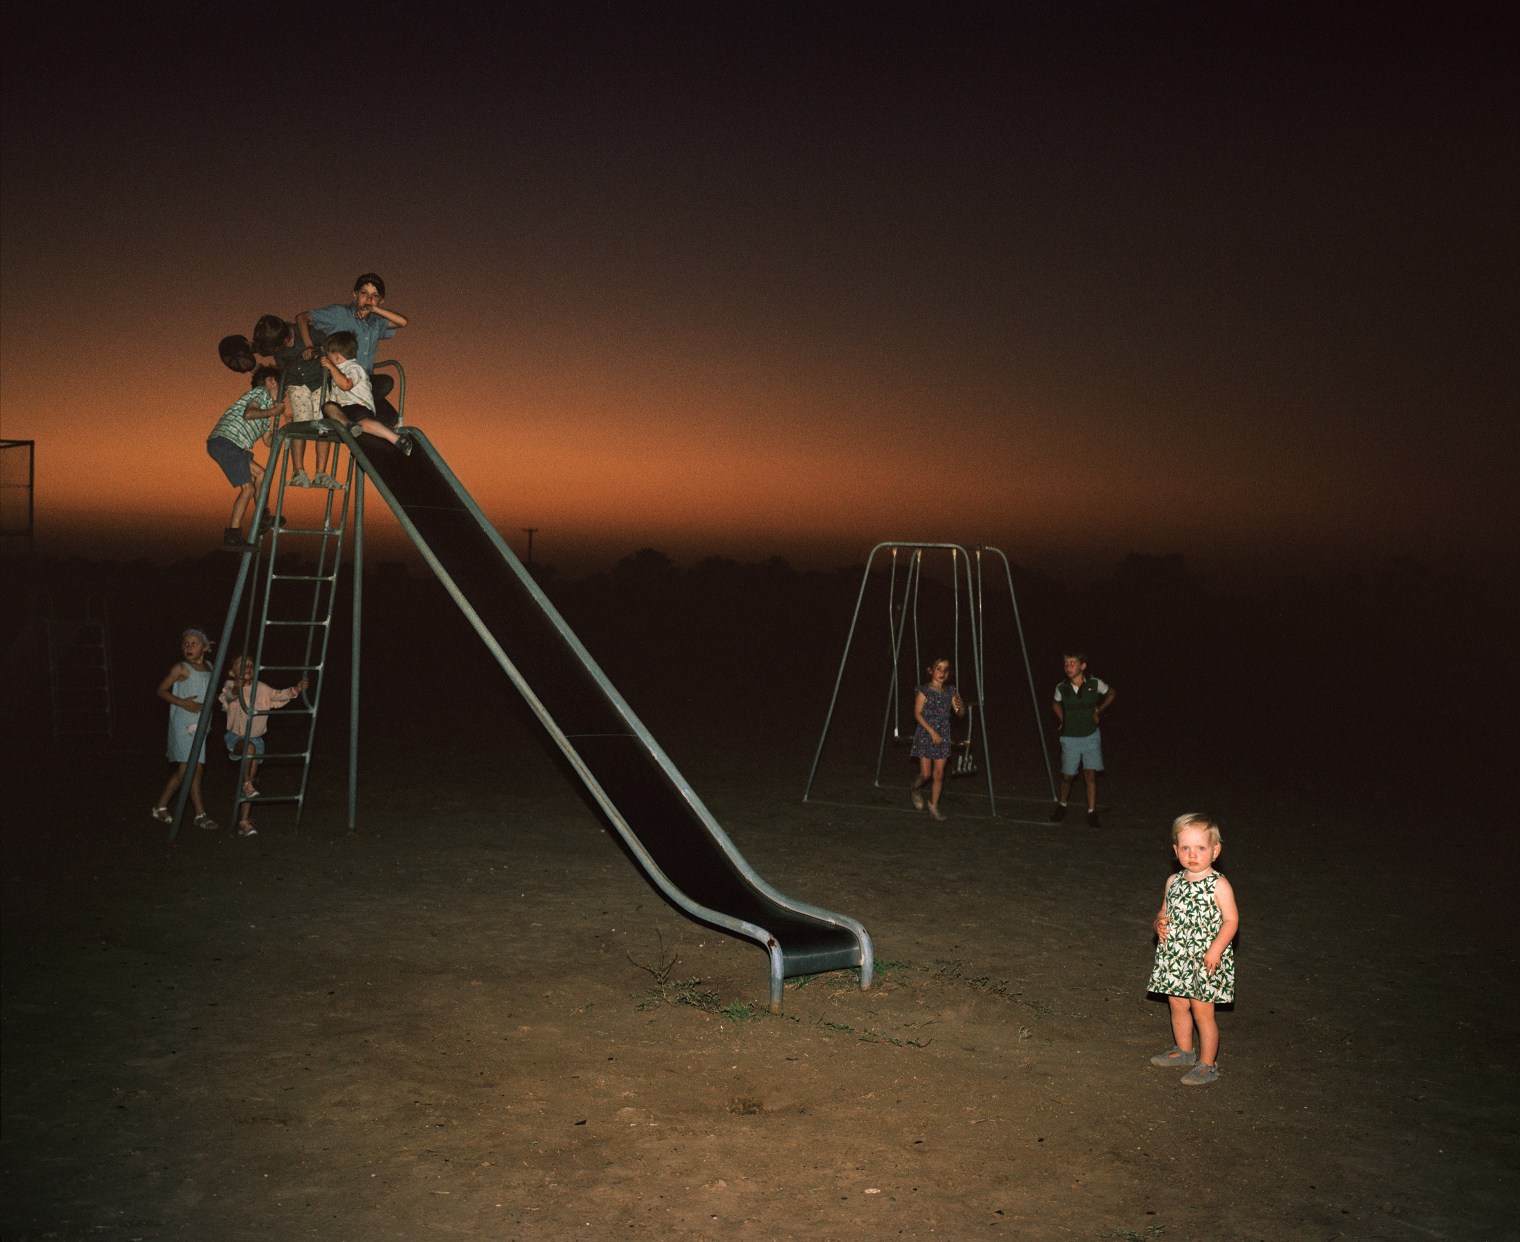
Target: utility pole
[[530, 531]]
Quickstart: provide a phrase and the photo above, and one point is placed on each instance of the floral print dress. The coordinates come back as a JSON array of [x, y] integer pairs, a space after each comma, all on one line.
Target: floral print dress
[[1194, 920]]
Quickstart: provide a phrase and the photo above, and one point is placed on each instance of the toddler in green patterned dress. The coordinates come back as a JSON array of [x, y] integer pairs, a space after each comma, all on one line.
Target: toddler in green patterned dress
[[1195, 961]]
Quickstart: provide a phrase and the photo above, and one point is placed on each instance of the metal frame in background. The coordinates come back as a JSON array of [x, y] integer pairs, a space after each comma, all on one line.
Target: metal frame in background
[[900, 612], [9, 450]]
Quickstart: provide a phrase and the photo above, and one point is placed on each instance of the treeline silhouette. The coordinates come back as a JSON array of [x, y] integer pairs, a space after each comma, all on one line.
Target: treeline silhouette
[[1352, 676]]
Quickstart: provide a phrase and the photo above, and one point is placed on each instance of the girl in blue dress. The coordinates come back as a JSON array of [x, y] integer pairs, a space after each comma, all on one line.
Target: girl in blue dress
[[932, 706], [184, 690]]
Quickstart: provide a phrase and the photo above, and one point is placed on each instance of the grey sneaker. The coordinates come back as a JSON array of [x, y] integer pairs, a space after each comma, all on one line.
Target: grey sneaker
[[936, 813], [1175, 1056], [918, 798], [1200, 1075]]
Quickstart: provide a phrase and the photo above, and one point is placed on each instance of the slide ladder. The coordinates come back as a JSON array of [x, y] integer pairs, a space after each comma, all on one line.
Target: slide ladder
[[287, 626]]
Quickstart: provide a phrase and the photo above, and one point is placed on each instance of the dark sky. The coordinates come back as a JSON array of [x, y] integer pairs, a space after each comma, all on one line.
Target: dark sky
[[1075, 280]]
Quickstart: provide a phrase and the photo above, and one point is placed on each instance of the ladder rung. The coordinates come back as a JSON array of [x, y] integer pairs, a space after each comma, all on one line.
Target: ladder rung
[[307, 623]]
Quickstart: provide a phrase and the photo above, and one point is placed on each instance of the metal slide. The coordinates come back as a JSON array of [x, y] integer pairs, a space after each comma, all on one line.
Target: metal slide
[[660, 818]]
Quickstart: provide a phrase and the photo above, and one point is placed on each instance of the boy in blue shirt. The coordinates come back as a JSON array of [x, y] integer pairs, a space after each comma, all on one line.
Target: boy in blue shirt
[[370, 322]]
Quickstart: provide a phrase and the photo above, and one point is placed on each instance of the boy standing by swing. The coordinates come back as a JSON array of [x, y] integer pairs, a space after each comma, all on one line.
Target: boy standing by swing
[[1079, 703]]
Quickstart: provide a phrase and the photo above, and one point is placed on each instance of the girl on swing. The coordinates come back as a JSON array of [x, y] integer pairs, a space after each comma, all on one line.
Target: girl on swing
[[932, 706]]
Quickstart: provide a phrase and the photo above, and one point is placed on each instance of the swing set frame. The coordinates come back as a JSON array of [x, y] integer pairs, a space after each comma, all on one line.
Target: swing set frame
[[968, 570]]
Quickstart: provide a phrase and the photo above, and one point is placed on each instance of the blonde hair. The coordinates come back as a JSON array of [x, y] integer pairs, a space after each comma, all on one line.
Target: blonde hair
[[1194, 820]]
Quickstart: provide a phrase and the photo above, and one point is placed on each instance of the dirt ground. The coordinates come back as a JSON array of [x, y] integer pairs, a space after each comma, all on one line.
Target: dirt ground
[[475, 1017]]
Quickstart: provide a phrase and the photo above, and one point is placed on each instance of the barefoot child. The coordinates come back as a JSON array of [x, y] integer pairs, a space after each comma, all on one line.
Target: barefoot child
[[242, 697], [932, 706], [1195, 961], [184, 690]]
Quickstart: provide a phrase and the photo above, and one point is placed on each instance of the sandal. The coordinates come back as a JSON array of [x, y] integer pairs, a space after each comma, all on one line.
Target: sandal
[[1175, 1056], [161, 813], [205, 821]]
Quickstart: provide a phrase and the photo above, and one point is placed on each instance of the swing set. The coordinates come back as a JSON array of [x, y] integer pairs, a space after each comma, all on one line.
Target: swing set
[[966, 575]]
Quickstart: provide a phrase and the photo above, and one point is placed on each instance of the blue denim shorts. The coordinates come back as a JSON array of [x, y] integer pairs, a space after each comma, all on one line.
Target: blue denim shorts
[[1081, 752], [234, 742]]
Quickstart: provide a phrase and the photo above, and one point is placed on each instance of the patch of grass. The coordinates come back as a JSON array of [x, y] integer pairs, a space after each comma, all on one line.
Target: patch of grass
[[690, 992], [677, 992], [955, 972], [881, 973]]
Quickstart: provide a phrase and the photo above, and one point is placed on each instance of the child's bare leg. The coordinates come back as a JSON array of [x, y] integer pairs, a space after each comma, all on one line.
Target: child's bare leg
[[195, 789], [1208, 1031], [1182, 1021], [297, 456], [374, 427], [939, 782], [1065, 787], [172, 788], [1091, 777], [240, 507]]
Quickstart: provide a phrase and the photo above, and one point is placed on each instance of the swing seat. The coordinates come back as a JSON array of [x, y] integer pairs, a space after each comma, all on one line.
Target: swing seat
[[965, 757]]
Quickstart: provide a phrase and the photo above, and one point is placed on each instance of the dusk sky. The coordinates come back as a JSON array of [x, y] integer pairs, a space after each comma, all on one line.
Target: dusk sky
[[788, 279]]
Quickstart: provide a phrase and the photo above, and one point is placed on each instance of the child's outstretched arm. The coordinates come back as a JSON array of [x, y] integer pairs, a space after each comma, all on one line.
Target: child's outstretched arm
[[290, 695], [394, 318], [1224, 898]]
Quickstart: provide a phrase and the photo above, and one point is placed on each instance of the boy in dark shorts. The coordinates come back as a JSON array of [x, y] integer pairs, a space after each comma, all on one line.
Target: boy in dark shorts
[[246, 421], [353, 403]]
